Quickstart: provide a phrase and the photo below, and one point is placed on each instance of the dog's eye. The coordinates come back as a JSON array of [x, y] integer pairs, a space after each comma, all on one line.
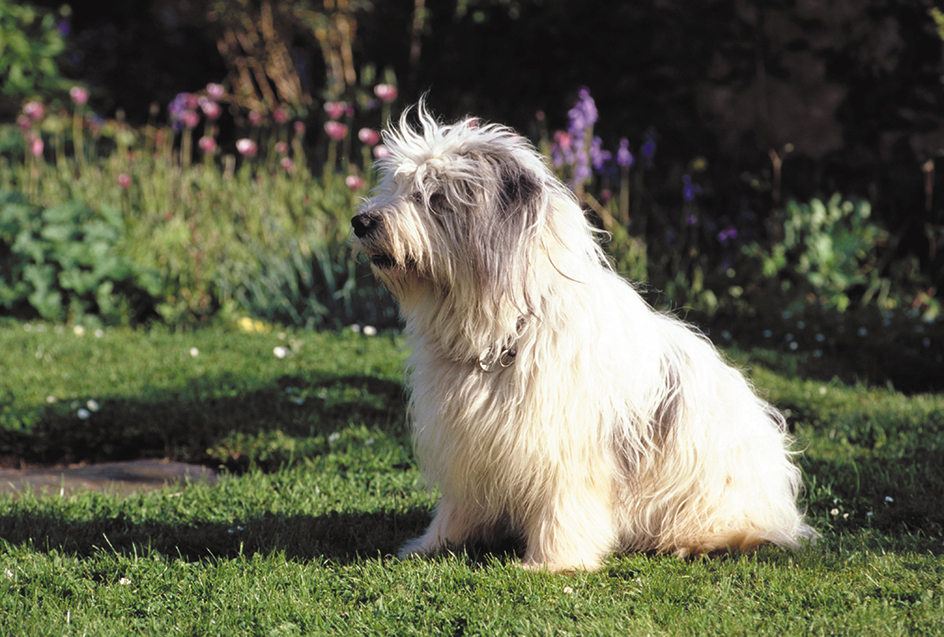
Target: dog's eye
[[437, 203]]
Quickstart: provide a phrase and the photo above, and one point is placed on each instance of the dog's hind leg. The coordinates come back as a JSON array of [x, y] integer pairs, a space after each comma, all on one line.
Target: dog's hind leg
[[451, 525]]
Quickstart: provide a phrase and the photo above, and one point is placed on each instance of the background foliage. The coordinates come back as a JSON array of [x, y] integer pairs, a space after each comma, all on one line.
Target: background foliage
[[764, 159]]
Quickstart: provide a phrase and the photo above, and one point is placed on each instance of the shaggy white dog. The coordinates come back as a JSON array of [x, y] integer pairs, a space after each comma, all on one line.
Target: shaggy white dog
[[546, 398]]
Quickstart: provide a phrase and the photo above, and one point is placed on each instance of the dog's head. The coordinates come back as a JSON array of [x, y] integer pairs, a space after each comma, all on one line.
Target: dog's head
[[458, 208]]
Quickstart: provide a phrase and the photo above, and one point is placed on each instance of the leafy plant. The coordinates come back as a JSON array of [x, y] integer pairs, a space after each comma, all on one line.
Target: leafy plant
[[30, 42], [61, 262], [829, 251]]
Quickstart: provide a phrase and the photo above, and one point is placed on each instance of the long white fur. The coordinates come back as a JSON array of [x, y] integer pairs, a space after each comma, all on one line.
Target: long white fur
[[614, 427]]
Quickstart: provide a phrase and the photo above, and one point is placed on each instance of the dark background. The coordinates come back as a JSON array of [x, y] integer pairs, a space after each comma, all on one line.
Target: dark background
[[853, 86]]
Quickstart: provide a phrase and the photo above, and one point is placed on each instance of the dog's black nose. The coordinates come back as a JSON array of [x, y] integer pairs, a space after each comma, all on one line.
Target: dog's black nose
[[364, 223]]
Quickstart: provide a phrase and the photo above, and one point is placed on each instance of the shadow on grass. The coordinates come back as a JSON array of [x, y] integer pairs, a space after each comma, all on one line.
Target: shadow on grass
[[182, 425], [901, 495], [338, 537], [341, 538]]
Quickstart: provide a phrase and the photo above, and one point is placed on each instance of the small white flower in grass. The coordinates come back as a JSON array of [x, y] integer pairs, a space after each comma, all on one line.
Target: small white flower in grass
[[869, 514], [92, 405], [568, 590], [889, 498], [794, 346], [78, 330], [83, 414], [369, 441], [356, 328], [124, 581], [334, 437], [370, 330], [8, 573], [834, 512], [194, 352], [280, 352], [99, 333], [50, 399]]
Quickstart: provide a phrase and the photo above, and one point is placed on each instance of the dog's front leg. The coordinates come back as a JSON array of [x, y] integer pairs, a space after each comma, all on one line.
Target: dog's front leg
[[573, 531], [451, 525]]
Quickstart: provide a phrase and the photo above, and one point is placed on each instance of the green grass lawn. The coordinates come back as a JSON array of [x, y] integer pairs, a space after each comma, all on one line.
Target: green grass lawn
[[320, 488]]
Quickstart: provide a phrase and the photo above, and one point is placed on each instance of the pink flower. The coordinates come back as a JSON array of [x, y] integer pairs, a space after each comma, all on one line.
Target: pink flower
[[280, 115], [287, 164], [335, 130], [190, 118], [124, 180], [247, 147], [79, 94], [210, 108], [386, 92], [564, 140], [35, 110], [215, 92], [381, 151], [36, 146], [354, 182], [369, 136], [255, 118], [299, 128], [24, 122], [335, 110], [282, 148], [207, 145]]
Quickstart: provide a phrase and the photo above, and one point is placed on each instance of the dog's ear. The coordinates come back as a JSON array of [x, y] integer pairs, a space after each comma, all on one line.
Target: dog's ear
[[503, 249]]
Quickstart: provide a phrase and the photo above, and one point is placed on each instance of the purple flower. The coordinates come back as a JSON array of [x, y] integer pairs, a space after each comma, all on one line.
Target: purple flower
[[689, 190], [624, 158], [598, 156], [178, 107], [583, 115], [648, 147], [581, 166], [727, 234]]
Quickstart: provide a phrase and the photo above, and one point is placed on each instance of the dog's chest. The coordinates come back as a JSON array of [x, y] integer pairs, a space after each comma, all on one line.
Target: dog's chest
[[470, 427]]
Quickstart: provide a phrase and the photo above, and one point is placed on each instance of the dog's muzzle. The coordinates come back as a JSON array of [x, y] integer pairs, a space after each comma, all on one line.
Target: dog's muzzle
[[365, 223]]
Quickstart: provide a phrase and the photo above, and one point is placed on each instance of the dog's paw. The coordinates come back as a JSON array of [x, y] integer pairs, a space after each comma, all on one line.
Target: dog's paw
[[415, 548], [559, 567]]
